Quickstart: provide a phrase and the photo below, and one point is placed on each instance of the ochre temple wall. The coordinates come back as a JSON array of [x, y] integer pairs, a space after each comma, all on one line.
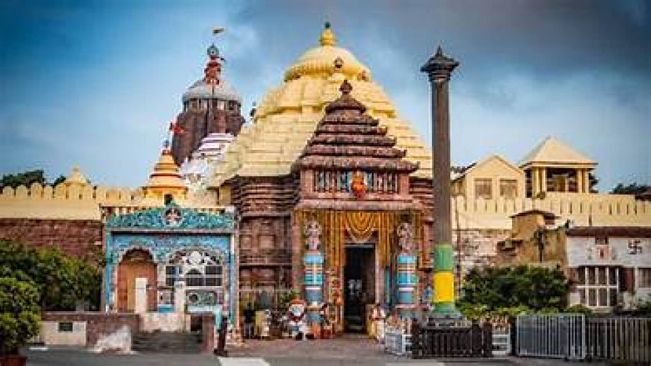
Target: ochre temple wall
[[74, 237], [583, 209], [82, 202], [71, 216]]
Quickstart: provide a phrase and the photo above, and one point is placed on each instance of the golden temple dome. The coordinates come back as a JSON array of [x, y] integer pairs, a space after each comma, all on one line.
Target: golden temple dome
[[323, 60], [76, 178], [287, 115], [165, 179]]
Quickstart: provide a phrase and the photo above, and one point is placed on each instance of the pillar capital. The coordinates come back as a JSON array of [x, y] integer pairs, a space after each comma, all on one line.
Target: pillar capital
[[439, 67]]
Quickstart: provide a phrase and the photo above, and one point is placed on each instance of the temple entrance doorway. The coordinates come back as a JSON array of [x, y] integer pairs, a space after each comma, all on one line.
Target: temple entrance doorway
[[359, 285], [136, 264]]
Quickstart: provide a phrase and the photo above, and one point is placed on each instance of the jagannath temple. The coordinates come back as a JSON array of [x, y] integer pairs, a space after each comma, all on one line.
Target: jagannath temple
[[327, 192], [328, 151]]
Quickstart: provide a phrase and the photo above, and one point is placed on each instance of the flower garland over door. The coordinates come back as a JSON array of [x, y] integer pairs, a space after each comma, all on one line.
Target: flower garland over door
[[340, 227]]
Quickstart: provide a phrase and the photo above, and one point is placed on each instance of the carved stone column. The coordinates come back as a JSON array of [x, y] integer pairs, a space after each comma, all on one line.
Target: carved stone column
[[439, 68]]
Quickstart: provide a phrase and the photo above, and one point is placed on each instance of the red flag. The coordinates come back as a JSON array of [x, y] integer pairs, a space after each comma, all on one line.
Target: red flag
[[176, 129]]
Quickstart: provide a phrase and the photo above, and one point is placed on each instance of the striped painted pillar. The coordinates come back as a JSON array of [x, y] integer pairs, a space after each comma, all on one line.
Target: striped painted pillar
[[444, 282], [313, 264], [407, 282]]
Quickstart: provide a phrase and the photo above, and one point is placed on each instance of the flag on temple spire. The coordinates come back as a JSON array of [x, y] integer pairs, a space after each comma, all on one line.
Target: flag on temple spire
[[176, 129]]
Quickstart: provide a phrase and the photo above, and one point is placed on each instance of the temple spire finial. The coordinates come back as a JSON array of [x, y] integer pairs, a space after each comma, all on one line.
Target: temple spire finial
[[327, 36], [345, 88]]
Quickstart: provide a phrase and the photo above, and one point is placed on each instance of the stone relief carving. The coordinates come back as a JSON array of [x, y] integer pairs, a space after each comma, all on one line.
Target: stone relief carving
[[313, 235], [405, 237]]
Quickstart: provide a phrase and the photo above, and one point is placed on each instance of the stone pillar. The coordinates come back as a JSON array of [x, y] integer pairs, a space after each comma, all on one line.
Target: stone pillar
[[179, 297], [140, 306], [439, 68], [586, 181], [535, 182], [543, 179], [406, 282], [579, 181], [313, 261]]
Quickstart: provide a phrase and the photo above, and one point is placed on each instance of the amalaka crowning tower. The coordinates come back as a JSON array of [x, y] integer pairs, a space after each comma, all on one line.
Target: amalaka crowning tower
[[211, 105]]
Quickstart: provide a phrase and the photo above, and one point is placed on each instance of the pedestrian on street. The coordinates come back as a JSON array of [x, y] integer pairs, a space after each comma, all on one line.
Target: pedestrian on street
[[221, 342], [249, 321]]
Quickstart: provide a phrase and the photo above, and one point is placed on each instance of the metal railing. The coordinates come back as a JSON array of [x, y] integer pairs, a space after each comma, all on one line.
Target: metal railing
[[619, 339], [551, 336], [434, 340], [575, 336], [501, 339], [397, 342]]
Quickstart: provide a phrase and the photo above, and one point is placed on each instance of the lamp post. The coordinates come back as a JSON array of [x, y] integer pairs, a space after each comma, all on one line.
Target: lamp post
[[439, 68]]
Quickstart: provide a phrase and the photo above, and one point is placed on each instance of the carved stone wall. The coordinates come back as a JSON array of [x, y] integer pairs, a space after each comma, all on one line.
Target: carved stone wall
[[265, 244]]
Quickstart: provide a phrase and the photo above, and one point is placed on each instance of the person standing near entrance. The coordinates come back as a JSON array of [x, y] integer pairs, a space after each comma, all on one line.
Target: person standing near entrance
[[221, 341], [378, 315], [249, 318]]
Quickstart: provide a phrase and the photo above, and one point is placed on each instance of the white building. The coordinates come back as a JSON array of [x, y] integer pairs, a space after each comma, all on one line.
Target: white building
[[609, 265]]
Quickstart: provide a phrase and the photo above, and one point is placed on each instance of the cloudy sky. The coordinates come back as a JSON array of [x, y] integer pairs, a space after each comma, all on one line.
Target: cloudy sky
[[94, 84]]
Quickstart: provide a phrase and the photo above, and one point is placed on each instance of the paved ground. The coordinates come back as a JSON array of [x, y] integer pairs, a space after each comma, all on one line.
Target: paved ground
[[358, 351]]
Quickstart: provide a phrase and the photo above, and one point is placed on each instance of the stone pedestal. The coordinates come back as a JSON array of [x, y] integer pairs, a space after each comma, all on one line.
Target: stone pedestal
[[179, 297]]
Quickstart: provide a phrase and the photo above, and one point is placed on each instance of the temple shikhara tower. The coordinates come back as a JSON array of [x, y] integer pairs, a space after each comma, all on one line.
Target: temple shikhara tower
[[210, 120], [328, 148]]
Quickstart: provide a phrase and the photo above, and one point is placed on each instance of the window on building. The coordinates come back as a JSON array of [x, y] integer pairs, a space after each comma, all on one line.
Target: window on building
[[598, 286], [194, 278], [483, 188], [601, 240], [644, 277], [560, 183], [198, 269], [508, 188], [171, 275]]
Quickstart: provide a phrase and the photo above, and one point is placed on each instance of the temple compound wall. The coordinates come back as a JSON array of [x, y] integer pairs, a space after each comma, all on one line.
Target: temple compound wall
[[71, 216]]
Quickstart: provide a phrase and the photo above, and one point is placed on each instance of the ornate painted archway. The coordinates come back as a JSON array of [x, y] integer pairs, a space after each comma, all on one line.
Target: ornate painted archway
[[166, 233]]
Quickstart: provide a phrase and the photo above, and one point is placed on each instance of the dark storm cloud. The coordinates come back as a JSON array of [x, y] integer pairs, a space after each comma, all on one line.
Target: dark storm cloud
[[82, 77]]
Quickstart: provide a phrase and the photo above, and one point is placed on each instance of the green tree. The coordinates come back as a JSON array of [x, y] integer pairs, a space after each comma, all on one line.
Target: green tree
[[19, 314], [25, 178], [519, 288], [62, 281], [632, 188], [60, 179]]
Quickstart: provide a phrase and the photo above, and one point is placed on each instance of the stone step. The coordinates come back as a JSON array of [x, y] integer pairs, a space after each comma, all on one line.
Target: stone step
[[167, 342]]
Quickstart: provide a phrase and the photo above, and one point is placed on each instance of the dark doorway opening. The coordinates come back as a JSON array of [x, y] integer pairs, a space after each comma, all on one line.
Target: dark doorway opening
[[359, 285]]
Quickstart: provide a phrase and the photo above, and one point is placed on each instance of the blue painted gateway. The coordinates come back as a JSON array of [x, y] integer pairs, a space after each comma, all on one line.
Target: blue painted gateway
[[171, 260]]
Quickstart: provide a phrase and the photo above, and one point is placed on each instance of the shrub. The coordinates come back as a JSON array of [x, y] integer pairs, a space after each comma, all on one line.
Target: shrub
[[519, 289], [579, 309], [61, 281], [19, 314]]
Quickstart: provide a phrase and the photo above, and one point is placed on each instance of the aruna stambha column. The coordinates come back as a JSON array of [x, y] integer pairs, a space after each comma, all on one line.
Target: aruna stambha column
[[439, 68], [313, 264], [407, 281]]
